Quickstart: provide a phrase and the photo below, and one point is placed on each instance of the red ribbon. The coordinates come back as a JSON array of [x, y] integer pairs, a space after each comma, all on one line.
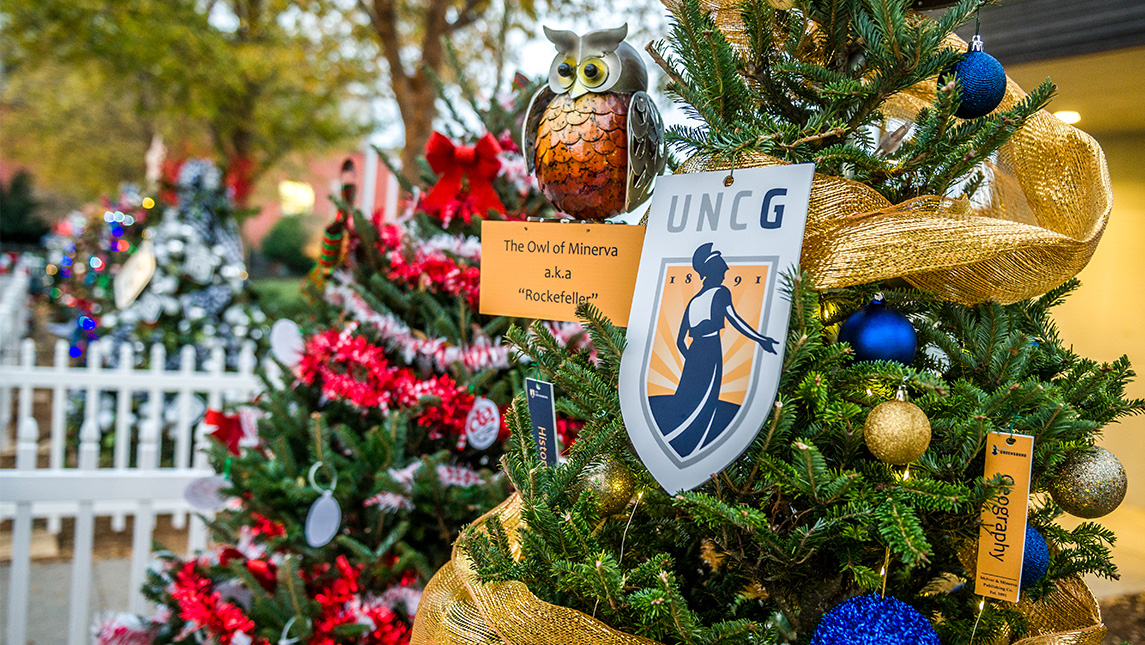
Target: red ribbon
[[228, 429], [479, 163]]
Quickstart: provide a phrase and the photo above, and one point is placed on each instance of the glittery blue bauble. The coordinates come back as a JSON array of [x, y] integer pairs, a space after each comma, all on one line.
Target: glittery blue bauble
[[878, 333], [874, 620], [983, 84], [1036, 557]]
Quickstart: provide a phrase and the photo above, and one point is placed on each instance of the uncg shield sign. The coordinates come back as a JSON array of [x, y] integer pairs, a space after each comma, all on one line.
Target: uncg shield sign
[[706, 333]]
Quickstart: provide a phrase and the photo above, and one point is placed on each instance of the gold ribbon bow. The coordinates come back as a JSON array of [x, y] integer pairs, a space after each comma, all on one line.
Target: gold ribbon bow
[[1048, 203]]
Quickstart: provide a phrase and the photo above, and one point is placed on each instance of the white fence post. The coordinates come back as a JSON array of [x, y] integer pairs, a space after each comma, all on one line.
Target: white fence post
[[183, 438], [197, 533], [79, 616], [27, 437], [59, 437], [122, 454], [147, 459], [13, 323]]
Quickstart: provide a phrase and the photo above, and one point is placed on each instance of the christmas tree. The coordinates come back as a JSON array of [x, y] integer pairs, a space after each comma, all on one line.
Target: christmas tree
[[384, 441], [84, 253], [197, 294], [917, 337]]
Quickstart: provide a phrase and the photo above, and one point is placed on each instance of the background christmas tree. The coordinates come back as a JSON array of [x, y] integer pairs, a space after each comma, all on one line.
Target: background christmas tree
[[198, 295], [84, 252], [376, 410], [774, 548]]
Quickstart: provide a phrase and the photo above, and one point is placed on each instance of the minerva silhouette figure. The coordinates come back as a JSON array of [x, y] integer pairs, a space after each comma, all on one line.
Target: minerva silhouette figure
[[695, 416]]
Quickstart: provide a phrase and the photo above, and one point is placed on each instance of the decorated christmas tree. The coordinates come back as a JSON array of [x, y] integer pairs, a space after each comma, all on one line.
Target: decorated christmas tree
[[926, 421], [382, 442], [85, 251], [188, 283], [191, 280]]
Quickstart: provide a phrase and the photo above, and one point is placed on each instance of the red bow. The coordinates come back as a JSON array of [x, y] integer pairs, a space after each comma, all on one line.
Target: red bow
[[479, 163], [228, 429]]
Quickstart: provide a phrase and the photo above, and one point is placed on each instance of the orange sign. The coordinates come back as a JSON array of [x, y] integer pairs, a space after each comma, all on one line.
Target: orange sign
[[1003, 537], [545, 269]]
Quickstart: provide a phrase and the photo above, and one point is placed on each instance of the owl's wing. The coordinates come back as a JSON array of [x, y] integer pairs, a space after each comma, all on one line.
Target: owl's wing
[[533, 115], [646, 155]]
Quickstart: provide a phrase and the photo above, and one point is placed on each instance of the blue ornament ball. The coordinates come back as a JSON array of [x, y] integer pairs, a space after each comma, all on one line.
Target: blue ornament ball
[[873, 620], [879, 333], [1035, 558], [983, 83]]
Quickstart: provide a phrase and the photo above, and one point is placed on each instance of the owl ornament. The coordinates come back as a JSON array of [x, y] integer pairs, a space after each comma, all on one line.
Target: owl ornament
[[593, 136]]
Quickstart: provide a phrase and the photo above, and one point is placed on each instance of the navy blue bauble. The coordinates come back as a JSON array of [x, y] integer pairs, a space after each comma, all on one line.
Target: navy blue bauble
[[874, 620], [878, 333], [1035, 558], [983, 82]]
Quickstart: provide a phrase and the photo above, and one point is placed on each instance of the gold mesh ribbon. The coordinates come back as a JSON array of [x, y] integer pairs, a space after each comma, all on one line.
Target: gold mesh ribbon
[[1069, 615], [1047, 204], [456, 609]]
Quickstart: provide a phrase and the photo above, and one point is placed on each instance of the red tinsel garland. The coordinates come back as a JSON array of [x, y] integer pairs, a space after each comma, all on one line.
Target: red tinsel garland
[[205, 609], [348, 367], [341, 605], [429, 269]]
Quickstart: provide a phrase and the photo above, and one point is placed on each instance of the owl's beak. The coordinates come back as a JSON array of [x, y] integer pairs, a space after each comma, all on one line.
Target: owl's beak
[[578, 89]]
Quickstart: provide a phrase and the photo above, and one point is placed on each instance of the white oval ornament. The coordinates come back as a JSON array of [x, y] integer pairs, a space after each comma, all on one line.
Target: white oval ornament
[[323, 520], [286, 342], [134, 275], [205, 493], [324, 517], [483, 423]]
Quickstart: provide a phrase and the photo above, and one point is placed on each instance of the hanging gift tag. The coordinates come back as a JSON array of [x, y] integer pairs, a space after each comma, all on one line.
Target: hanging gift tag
[[482, 424], [1003, 536], [325, 516], [323, 520], [205, 493], [543, 412], [134, 275], [286, 342]]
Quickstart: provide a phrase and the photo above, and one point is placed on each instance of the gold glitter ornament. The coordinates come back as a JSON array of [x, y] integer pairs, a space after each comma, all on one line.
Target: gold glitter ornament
[[610, 482], [897, 431], [1091, 484]]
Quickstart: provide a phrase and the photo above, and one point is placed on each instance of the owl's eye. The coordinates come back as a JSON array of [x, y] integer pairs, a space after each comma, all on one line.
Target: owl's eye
[[593, 72], [566, 73]]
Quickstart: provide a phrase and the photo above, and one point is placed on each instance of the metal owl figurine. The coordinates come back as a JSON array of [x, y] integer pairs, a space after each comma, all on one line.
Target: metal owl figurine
[[593, 136]]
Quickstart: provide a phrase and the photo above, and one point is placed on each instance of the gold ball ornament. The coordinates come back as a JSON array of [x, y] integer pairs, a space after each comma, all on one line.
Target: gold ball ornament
[[1091, 484], [830, 315], [611, 484], [897, 432]]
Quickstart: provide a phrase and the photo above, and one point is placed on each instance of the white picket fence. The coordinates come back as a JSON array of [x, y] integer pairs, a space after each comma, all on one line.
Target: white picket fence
[[14, 319], [142, 488]]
